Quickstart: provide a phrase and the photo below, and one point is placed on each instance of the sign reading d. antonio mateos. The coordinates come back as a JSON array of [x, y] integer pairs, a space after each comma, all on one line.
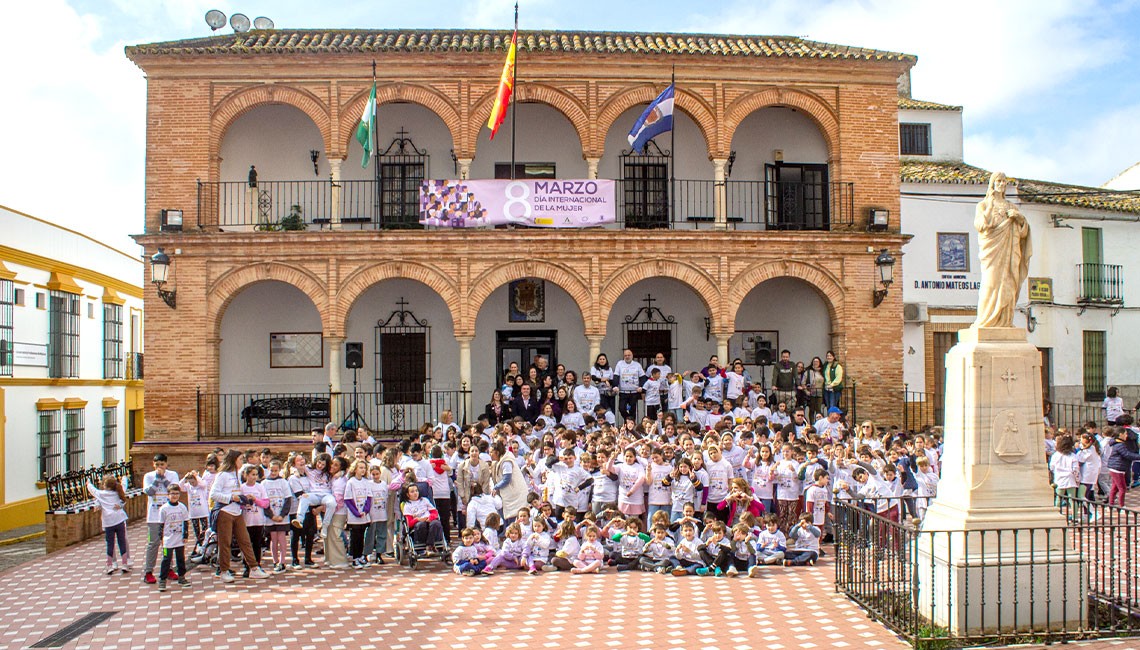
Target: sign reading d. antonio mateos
[[538, 203]]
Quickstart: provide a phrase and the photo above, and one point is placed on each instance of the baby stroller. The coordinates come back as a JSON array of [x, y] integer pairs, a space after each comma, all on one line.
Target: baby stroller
[[409, 552], [207, 553]]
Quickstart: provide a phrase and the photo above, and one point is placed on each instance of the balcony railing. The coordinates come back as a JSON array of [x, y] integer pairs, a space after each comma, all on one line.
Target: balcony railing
[[268, 415], [1100, 283], [640, 204], [134, 365]]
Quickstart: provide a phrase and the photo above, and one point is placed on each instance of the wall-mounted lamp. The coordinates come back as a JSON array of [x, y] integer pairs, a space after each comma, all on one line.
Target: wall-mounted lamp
[[708, 328], [1030, 319], [878, 219], [314, 155], [159, 270], [886, 267], [172, 220]]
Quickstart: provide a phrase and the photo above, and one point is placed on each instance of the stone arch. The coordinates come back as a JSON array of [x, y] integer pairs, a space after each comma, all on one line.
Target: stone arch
[[558, 99], [246, 99], [695, 278], [826, 284], [363, 279], [425, 96], [816, 108], [222, 291], [564, 276], [695, 107]]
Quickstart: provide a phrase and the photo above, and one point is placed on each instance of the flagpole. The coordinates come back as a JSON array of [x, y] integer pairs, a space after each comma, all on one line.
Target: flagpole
[[514, 92], [673, 150], [375, 142]]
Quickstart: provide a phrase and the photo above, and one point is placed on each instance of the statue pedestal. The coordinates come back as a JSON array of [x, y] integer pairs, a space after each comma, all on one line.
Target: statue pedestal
[[993, 552]]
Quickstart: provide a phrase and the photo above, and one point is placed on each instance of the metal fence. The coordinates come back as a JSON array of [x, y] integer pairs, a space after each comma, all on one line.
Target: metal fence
[[676, 204], [922, 409], [272, 415], [70, 488], [937, 589]]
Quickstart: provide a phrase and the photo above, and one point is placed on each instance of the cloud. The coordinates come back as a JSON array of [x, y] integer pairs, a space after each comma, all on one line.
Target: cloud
[[1091, 153]]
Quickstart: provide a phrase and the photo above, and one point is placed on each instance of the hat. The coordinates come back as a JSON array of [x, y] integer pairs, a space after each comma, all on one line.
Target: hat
[[834, 409]]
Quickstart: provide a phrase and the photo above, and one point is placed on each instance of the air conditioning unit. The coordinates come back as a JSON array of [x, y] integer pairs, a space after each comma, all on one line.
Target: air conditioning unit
[[915, 312]]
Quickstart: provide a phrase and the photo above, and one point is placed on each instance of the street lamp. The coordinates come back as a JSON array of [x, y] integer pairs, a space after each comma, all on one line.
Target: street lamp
[[159, 271], [886, 266]]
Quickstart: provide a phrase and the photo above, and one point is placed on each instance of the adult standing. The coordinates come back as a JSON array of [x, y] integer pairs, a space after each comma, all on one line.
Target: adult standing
[[784, 378], [832, 381], [630, 376], [526, 406], [586, 396], [497, 410], [603, 376], [507, 481]]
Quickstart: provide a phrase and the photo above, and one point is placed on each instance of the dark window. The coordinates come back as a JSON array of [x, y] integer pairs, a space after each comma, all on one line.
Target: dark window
[[400, 194], [525, 170], [63, 335], [914, 139], [49, 443], [645, 193], [7, 307], [41, 300], [110, 434], [1095, 356], [20, 293], [112, 341], [403, 360], [646, 343], [73, 432], [796, 196]]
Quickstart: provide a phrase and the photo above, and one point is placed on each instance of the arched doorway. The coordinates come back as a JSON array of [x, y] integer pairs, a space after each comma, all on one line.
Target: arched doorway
[[546, 146]]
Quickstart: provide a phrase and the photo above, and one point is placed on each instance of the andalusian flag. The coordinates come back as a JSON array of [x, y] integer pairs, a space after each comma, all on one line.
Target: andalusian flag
[[506, 87], [367, 127]]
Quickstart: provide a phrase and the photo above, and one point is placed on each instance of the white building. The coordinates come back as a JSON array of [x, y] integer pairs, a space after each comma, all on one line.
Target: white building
[[71, 358], [1080, 304]]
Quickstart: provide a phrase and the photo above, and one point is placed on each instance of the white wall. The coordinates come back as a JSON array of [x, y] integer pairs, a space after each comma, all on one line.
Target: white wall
[[673, 298], [950, 209], [562, 314], [773, 128], [277, 139], [251, 316], [691, 157], [945, 132], [795, 310], [425, 129], [377, 304], [544, 135]]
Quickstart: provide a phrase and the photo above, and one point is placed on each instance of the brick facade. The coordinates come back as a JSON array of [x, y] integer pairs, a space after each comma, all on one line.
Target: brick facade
[[192, 99]]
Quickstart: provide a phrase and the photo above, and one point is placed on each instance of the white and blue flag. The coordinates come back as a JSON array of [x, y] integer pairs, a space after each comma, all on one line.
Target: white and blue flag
[[656, 119]]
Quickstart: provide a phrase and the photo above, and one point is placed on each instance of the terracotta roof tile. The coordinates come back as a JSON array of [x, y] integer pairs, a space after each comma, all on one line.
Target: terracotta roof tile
[[287, 41], [1028, 190], [919, 105]]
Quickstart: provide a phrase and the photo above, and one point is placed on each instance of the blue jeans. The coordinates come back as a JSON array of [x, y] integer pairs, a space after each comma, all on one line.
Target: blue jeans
[[376, 538], [831, 397], [800, 558], [476, 566]]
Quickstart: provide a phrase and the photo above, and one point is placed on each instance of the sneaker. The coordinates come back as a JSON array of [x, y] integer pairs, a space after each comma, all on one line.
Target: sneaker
[[663, 570], [297, 524], [258, 574], [754, 572], [549, 567], [226, 576], [576, 570], [309, 564], [533, 572], [112, 568], [149, 578], [296, 567], [126, 568], [732, 571], [245, 572], [171, 575], [787, 563], [469, 572], [162, 585], [811, 562], [280, 568], [378, 561], [488, 571], [703, 571], [183, 582], [717, 572], [680, 572]]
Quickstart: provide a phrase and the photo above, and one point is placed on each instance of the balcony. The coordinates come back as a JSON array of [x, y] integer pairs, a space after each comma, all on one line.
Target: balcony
[[134, 365], [1100, 284], [641, 204]]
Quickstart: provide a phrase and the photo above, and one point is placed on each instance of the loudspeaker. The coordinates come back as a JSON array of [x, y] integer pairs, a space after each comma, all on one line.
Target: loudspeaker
[[353, 355], [764, 356]]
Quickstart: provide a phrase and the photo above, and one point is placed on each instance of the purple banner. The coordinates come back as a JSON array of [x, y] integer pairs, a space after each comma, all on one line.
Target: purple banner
[[537, 203]]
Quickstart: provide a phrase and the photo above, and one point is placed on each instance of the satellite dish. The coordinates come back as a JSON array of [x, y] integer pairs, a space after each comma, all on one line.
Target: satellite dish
[[215, 19], [261, 22], [240, 23]]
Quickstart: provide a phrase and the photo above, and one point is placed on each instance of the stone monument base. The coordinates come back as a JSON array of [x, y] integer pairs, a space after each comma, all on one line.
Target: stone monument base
[[993, 550]]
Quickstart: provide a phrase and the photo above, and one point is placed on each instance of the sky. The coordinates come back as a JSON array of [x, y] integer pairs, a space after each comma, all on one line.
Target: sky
[[1049, 87]]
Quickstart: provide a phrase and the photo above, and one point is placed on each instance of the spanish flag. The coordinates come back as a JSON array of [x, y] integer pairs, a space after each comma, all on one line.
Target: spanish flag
[[506, 87]]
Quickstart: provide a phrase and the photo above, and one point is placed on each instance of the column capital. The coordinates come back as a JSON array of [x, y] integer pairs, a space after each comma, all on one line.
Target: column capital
[[464, 168], [464, 338], [595, 338], [334, 339]]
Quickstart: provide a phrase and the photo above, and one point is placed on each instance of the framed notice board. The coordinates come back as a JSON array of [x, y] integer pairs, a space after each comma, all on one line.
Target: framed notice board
[[296, 350]]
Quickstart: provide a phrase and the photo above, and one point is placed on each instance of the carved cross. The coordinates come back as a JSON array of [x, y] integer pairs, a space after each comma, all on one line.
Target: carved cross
[[1009, 378]]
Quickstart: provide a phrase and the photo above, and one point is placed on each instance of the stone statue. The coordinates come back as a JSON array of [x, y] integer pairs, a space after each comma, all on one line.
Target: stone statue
[[1003, 238]]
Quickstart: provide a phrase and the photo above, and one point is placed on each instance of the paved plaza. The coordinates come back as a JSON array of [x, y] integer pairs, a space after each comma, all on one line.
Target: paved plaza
[[393, 608]]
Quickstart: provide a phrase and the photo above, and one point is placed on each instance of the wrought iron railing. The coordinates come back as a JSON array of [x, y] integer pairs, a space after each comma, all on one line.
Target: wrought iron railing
[[676, 204], [135, 365], [922, 409], [1100, 283], [937, 589], [279, 414], [70, 488]]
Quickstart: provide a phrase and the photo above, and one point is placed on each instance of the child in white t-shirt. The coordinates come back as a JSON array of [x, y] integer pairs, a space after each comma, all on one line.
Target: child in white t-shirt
[[112, 500], [173, 517]]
